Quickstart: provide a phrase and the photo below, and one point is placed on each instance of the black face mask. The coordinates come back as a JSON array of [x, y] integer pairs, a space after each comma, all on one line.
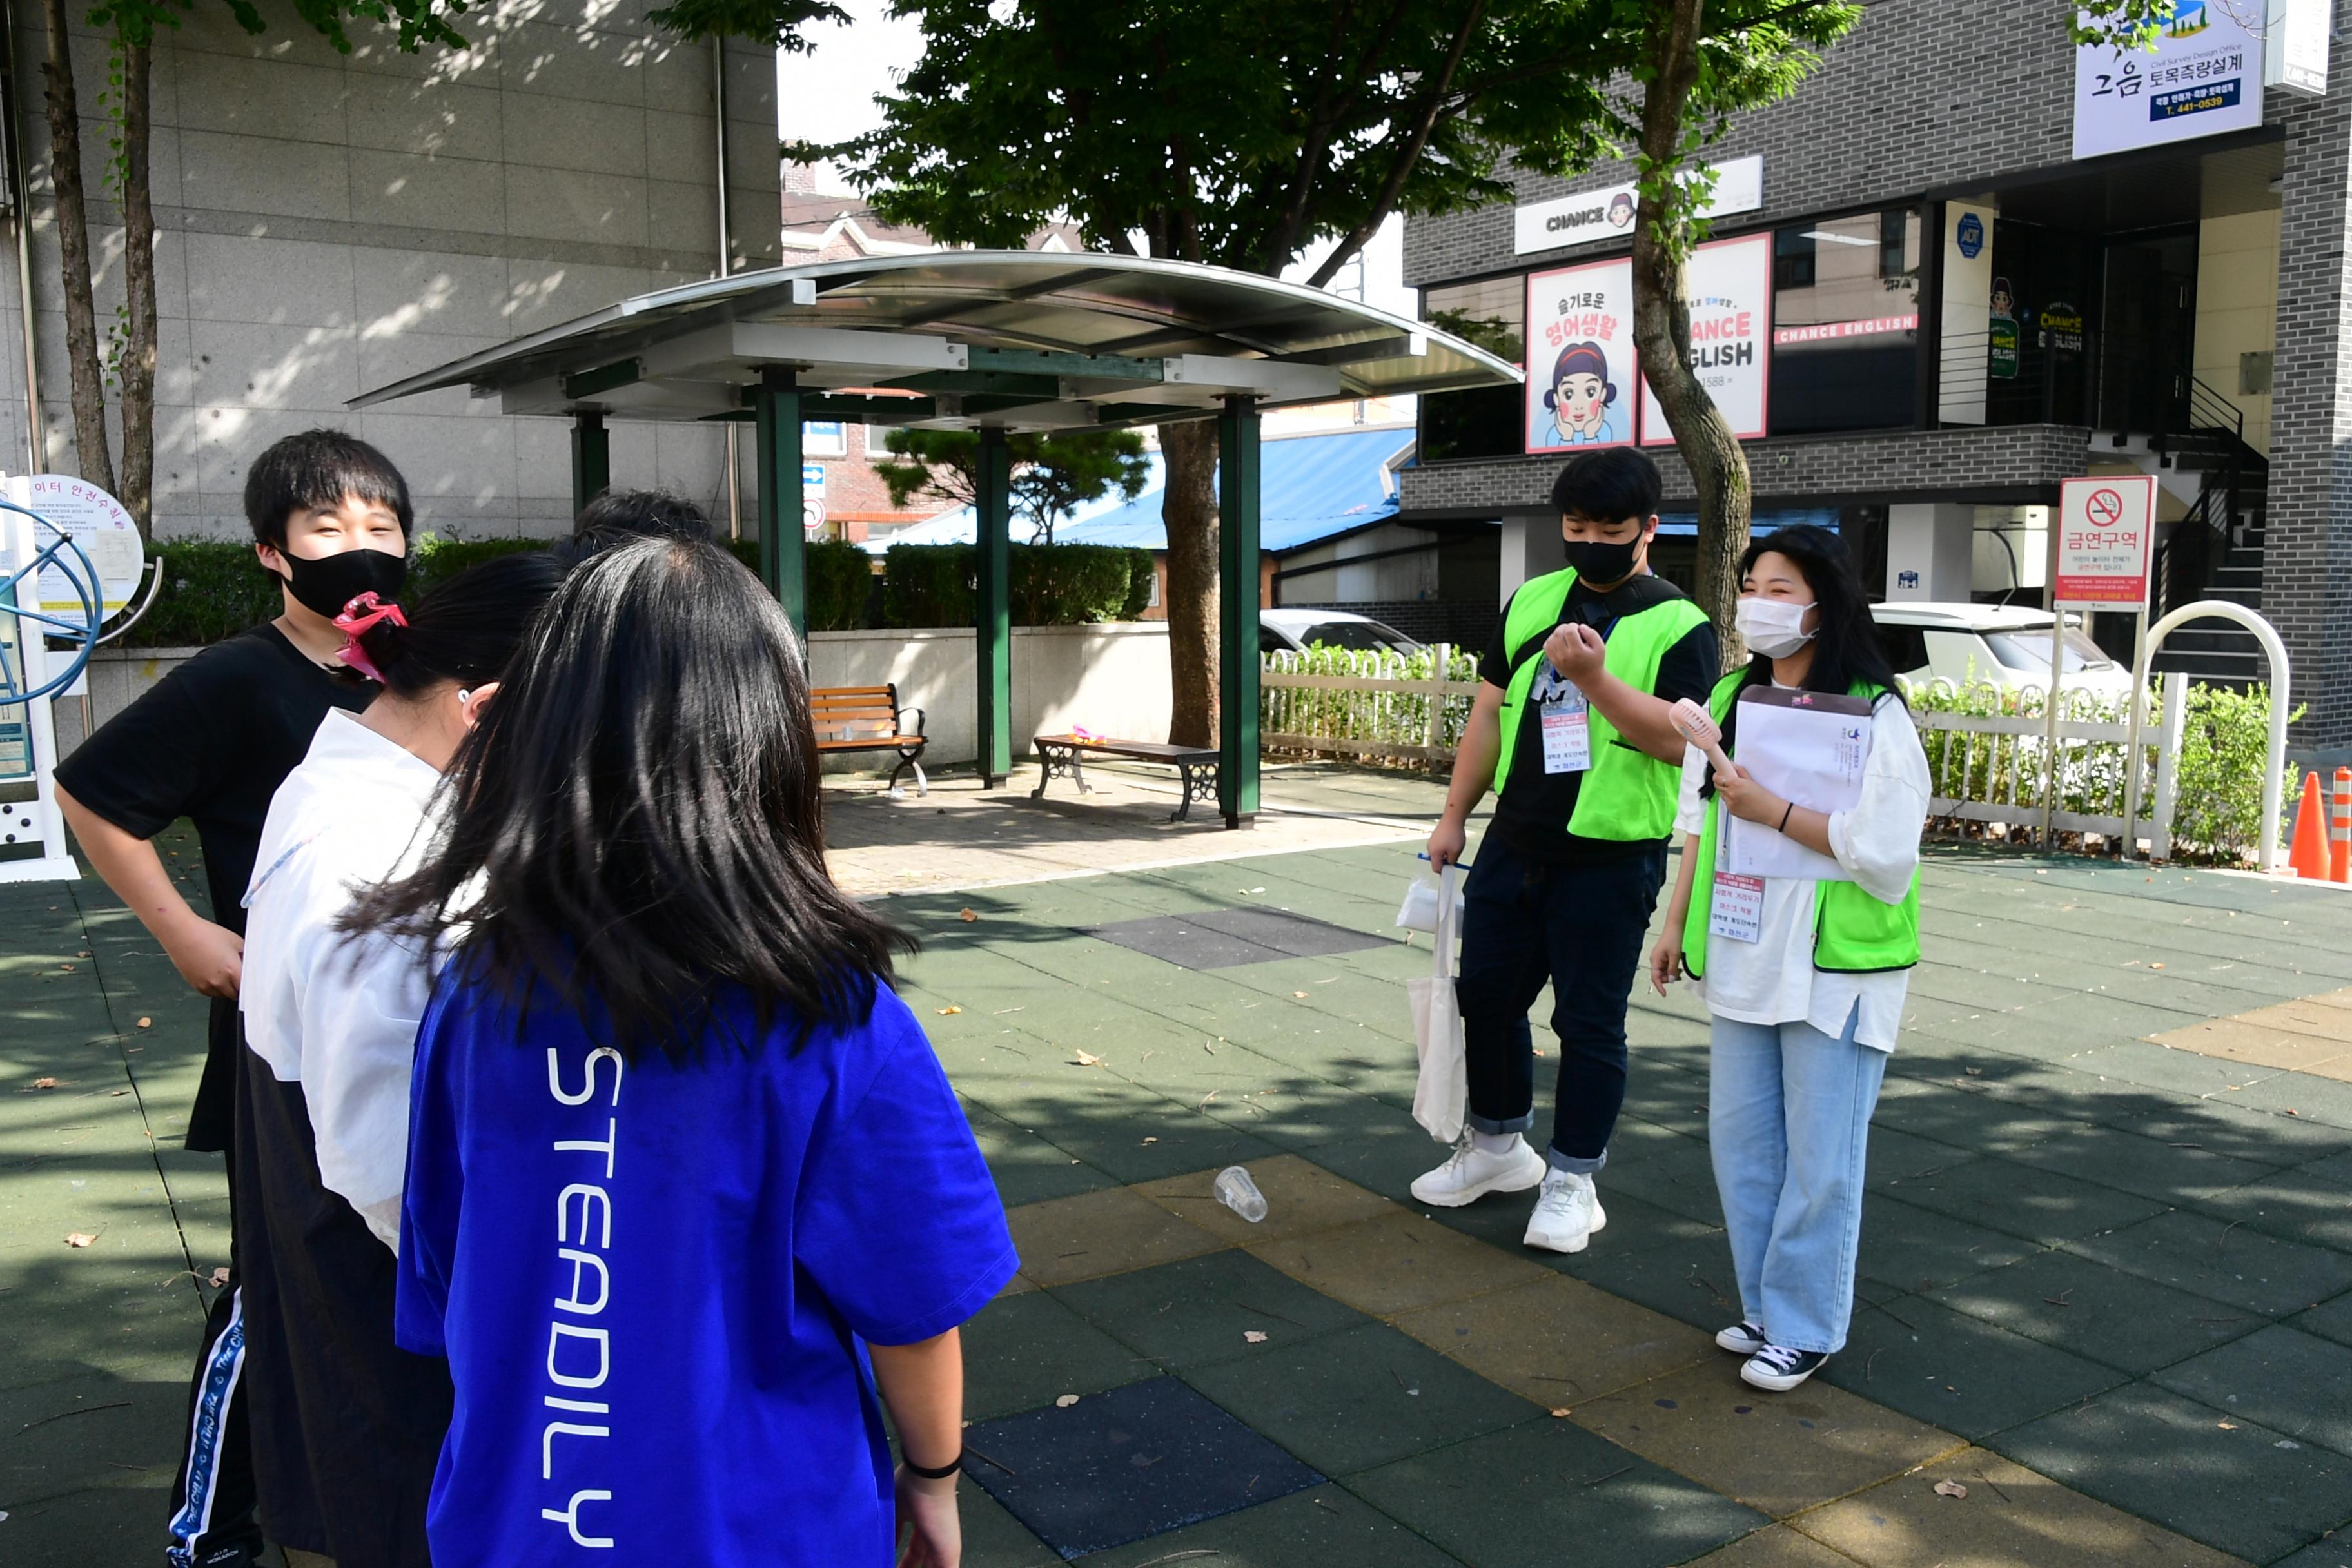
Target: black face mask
[[325, 584], [1598, 560]]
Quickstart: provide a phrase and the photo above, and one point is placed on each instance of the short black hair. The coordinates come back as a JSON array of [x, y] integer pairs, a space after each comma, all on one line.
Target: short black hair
[[316, 469], [1607, 486], [622, 516]]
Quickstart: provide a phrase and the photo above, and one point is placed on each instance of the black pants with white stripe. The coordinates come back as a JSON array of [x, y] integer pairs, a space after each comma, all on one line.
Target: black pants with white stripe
[[213, 1522]]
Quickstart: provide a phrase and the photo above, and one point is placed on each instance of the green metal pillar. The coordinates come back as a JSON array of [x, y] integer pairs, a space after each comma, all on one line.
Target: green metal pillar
[[993, 614], [591, 459], [784, 561], [1237, 591]]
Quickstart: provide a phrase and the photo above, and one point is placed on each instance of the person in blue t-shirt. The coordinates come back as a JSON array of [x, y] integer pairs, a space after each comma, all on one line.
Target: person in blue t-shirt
[[689, 1200]]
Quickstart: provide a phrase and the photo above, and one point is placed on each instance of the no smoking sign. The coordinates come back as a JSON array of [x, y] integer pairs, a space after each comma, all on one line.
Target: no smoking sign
[[2106, 529]]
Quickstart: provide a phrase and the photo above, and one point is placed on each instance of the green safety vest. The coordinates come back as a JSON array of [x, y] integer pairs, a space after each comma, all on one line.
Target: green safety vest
[[1627, 793], [1853, 932]]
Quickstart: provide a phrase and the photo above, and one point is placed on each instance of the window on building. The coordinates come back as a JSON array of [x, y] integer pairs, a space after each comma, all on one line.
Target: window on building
[[1485, 421], [1845, 323]]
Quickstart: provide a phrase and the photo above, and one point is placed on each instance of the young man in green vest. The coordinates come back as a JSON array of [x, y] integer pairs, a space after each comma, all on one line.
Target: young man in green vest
[[1570, 728]]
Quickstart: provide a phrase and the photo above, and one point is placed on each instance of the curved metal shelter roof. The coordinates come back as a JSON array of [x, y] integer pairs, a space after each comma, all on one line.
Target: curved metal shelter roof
[[1021, 340]]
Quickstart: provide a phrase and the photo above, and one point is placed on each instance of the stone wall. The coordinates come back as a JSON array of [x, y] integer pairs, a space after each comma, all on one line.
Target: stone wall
[[328, 222]]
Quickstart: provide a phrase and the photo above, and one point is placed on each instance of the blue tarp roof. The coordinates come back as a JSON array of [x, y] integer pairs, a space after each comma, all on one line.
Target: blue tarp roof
[[1310, 487], [1765, 520]]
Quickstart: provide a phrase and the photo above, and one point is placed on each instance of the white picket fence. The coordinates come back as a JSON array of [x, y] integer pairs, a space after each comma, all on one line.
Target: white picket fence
[[1988, 766], [1333, 702], [1985, 766]]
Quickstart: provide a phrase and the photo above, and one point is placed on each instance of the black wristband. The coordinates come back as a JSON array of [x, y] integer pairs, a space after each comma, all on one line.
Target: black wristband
[[943, 1473], [1785, 813]]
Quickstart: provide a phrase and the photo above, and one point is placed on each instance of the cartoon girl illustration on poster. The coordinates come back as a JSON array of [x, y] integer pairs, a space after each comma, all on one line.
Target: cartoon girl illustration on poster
[[1581, 400], [1621, 210]]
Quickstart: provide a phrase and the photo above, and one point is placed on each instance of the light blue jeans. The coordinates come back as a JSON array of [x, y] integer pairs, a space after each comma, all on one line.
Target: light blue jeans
[[1789, 1114]]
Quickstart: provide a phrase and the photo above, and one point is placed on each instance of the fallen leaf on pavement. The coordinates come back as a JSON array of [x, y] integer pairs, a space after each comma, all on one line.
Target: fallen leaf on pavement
[[2156, 966], [2227, 1426], [1084, 1058], [44, 1083], [1300, 994], [67, 967], [1254, 1336], [146, 1023], [943, 1012], [966, 916], [220, 1277], [1950, 1489], [1562, 1414], [1151, 1140], [1066, 1400], [78, 1238]]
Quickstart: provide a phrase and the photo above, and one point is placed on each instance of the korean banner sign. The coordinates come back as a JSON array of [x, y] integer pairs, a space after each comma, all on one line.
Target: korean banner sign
[[1581, 364], [1729, 284], [2204, 77], [2105, 529]]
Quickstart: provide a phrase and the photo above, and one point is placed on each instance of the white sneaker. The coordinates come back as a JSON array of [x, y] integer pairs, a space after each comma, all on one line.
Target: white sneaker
[[1470, 1174], [1566, 1213]]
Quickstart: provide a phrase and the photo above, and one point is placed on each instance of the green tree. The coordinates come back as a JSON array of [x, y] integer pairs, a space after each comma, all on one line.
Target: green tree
[[1238, 133], [1053, 473]]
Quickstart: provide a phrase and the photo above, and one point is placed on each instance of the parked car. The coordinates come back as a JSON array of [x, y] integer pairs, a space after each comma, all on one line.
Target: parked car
[[2002, 645], [1287, 631]]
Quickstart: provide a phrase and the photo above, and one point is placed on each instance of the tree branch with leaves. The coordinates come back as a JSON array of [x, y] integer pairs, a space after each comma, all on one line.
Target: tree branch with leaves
[[1054, 474]]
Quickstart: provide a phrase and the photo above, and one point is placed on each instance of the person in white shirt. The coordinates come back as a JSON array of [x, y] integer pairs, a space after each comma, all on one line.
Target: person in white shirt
[[330, 1028], [1804, 978]]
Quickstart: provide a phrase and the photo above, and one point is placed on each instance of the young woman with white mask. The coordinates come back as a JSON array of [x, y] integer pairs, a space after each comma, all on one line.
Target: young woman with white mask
[[1806, 983]]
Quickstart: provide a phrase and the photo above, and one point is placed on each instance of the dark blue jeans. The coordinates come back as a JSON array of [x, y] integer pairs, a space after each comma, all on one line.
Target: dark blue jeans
[[1581, 926]]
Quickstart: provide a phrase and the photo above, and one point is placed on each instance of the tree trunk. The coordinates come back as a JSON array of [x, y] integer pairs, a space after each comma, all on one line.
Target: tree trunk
[[138, 286], [1189, 510], [1719, 467], [91, 456]]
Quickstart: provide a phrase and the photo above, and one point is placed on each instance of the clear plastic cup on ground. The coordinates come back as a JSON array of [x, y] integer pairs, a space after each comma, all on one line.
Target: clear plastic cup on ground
[[1239, 1194]]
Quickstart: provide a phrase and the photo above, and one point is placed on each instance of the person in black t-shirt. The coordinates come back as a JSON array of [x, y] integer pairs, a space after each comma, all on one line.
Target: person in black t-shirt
[[212, 741], [1570, 727]]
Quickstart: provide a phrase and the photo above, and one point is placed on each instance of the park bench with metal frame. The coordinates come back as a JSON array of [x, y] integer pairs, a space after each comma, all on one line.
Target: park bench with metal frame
[[1196, 766], [870, 719]]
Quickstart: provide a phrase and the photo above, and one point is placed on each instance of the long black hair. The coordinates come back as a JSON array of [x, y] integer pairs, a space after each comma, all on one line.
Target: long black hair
[[636, 823], [1846, 650], [466, 629]]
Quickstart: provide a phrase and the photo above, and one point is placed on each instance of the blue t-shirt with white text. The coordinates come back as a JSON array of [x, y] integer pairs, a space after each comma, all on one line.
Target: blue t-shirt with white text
[[652, 1280]]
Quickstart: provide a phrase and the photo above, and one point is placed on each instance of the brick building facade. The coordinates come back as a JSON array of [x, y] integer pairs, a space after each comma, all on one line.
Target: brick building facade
[[2205, 281]]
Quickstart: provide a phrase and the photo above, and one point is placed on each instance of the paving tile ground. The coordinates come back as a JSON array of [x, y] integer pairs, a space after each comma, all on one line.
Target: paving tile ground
[[2106, 1279]]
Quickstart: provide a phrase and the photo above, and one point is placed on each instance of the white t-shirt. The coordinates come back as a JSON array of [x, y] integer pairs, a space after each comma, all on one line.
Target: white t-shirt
[[340, 1016], [1772, 980]]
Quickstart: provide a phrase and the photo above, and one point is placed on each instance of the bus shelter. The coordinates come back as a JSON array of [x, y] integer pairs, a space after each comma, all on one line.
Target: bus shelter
[[994, 341]]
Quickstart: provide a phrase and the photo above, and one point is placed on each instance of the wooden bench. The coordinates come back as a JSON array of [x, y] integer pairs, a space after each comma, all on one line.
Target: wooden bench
[[868, 719], [1058, 756]]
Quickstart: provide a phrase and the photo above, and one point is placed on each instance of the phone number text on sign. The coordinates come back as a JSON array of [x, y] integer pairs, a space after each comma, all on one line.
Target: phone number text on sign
[[2104, 528]]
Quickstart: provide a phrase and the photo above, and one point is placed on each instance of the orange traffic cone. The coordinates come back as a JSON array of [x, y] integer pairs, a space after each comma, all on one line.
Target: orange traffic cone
[[2339, 828], [2308, 859]]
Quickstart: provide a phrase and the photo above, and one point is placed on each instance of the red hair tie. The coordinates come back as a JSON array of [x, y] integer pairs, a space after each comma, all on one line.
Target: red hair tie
[[362, 614]]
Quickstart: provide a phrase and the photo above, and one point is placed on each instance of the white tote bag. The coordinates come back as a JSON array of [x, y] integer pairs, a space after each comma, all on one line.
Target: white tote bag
[[1443, 1093]]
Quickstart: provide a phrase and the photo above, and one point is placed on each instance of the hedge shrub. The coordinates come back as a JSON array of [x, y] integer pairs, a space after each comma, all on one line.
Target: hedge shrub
[[1051, 585]]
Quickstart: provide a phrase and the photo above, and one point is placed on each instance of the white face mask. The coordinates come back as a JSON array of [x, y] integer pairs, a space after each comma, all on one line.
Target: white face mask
[[1773, 627]]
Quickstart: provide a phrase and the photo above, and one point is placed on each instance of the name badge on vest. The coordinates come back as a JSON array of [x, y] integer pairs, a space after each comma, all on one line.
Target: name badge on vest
[[1567, 723], [1737, 912]]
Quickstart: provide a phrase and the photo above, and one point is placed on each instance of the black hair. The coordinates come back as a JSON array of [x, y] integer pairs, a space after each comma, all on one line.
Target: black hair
[[1607, 486], [617, 517], [466, 629], [315, 469], [636, 828], [1846, 647]]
